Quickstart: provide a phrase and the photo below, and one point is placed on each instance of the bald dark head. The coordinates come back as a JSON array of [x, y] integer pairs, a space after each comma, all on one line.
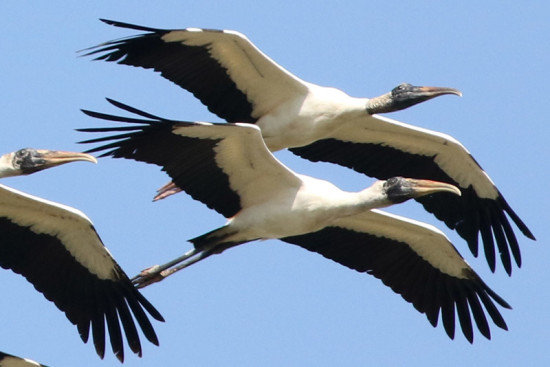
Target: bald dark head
[[28, 160], [406, 95], [400, 189]]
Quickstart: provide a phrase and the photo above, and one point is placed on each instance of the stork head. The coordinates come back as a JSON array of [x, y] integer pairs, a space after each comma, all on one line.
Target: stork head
[[28, 160], [399, 189], [404, 96]]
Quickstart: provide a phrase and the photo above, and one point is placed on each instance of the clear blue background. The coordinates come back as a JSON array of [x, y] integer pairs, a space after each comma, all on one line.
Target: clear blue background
[[269, 303]]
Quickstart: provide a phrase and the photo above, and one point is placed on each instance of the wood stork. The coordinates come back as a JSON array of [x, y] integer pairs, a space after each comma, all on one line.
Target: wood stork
[[56, 248], [239, 83], [8, 360], [229, 168]]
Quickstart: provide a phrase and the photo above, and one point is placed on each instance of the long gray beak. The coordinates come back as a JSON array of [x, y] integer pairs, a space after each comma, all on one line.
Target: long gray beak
[[432, 92], [426, 187], [44, 158]]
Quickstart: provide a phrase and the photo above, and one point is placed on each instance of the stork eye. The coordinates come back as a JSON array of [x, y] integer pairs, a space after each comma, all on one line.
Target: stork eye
[[391, 181], [20, 152], [400, 88]]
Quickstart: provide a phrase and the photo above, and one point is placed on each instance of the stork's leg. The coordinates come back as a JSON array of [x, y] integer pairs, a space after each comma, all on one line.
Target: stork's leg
[[167, 190], [157, 273], [203, 255], [153, 274]]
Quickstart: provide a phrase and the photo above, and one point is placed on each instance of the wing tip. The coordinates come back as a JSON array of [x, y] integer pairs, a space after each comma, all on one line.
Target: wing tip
[[136, 27]]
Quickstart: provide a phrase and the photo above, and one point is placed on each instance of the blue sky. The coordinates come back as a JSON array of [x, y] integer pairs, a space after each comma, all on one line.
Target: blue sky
[[269, 303]]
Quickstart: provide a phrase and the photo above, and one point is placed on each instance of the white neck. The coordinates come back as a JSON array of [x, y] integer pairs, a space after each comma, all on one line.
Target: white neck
[[380, 104], [351, 203], [6, 167]]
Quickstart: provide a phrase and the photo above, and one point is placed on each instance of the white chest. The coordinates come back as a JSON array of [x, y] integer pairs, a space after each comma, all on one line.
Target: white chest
[[314, 207], [301, 121]]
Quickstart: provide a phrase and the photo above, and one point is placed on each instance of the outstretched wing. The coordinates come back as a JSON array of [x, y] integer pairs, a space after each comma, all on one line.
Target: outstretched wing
[[415, 260], [225, 166], [57, 249], [381, 147], [223, 69]]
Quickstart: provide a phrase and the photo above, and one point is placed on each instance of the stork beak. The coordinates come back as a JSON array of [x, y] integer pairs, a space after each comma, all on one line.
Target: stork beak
[[167, 190], [431, 92], [420, 188], [43, 159], [406, 95]]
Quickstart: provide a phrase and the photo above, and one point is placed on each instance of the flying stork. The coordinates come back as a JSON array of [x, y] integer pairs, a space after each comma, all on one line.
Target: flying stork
[[239, 83], [229, 168], [8, 360], [56, 248]]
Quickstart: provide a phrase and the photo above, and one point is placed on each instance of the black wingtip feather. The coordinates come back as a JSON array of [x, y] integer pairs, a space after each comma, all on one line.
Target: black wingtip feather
[[477, 312], [98, 334], [493, 312], [131, 109], [129, 326], [150, 309], [143, 321], [114, 331], [83, 331], [108, 117], [106, 138], [519, 223], [447, 309], [503, 246], [488, 243], [130, 26], [463, 313], [512, 240]]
